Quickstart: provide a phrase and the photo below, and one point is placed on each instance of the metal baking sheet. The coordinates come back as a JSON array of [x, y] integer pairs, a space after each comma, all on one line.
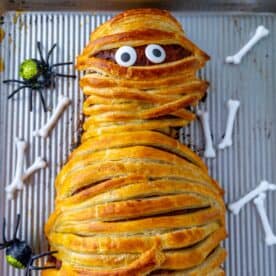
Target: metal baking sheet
[[116, 5], [238, 169]]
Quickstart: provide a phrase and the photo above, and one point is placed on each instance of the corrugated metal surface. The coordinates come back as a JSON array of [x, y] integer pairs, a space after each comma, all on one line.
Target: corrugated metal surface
[[239, 169], [112, 5]]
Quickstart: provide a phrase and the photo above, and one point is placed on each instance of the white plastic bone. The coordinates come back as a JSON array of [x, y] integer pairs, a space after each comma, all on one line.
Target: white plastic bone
[[261, 32], [46, 129], [233, 106], [209, 149], [270, 238], [235, 207], [37, 165], [17, 183]]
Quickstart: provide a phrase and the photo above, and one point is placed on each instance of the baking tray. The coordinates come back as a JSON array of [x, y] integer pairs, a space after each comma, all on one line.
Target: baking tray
[[238, 169], [115, 5]]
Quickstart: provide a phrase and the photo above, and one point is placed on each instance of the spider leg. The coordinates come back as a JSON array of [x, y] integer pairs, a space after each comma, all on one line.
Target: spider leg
[[17, 90], [16, 227], [30, 266], [41, 267], [31, 101], [40, 52], [28, 271], [5, 243], [35, 257], [4, 231], [42, 100], [14, 81], [61, 64], [65, 76], [50, 52], [2, 246]]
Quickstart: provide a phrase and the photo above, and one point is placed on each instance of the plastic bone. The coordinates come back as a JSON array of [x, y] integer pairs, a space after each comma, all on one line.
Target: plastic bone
[[270, 238], [233, 106], [37, 165], [261, 32], [264, 186], [209, 149], [17, 183], [46, 129]]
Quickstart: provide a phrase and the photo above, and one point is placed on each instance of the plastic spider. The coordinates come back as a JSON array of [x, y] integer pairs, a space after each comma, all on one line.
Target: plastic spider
[[38, 75], [19, 254]]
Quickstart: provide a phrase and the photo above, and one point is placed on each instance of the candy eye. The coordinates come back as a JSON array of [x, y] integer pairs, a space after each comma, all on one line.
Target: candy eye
[[126, 56], [155, 53]]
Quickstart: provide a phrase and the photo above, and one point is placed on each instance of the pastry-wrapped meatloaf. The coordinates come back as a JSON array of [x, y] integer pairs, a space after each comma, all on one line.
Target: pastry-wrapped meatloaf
[[132, 200]]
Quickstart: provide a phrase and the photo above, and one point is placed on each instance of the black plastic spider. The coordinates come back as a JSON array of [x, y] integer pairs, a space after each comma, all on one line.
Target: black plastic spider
[[19, 254], [38, 75]]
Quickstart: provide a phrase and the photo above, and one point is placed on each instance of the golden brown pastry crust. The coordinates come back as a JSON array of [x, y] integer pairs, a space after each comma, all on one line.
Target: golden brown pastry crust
[[132, 200]]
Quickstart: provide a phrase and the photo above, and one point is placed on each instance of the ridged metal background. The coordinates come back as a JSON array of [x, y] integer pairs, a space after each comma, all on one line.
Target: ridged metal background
[[238, 169], [115, 5]]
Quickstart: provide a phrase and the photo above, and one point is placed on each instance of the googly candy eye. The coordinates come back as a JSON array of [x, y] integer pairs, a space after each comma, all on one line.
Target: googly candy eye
[[155, 53], [126, 56]]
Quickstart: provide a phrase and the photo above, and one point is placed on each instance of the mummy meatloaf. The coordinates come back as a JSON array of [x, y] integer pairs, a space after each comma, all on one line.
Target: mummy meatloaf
[[132, 200]]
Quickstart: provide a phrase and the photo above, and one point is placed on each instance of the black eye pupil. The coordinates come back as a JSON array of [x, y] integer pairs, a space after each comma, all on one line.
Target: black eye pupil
[[156, 52], [125, 57]]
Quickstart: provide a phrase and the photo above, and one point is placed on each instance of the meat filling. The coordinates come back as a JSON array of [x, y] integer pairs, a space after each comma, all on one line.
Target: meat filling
[[173, 52]]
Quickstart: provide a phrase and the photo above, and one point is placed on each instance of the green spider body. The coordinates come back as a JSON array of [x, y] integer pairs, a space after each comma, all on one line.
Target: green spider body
[[30, 69], [13, 262], [18, 254], [38, 75]]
